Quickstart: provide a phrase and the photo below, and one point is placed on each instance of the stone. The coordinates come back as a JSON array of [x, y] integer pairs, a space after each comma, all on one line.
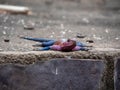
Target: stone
[[6, 40], [89, 41], [80, 35], [28, 27], [53, 75]]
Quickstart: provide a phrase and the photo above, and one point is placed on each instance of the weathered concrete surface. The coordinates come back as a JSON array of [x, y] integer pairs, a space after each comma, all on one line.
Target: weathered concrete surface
[[56, 19], [53, 75], [35, 56]]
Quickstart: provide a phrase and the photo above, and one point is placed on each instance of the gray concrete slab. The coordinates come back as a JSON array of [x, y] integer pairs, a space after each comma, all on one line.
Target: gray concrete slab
[[53, 75], [61, 19]]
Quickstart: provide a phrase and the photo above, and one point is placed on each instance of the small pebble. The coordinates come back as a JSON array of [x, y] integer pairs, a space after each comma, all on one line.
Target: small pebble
[[28, 27], [85, 20], [4, 32], [90, 41], [117, 38], [80, 36], [6, 40]]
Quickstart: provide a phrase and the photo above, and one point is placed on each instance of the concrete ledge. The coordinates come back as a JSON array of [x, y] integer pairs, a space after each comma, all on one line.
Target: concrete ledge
[[34, 56], [106, 55]]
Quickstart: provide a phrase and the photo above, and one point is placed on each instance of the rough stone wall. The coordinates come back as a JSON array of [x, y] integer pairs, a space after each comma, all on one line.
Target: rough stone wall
[[32, 57], [53, 75]]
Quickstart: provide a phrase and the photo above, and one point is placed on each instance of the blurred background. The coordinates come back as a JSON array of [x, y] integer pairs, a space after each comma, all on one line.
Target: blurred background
[[111, 4]]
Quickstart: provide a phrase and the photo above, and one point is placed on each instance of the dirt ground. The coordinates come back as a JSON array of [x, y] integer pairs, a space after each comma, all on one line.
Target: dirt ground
[[60, 19]]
